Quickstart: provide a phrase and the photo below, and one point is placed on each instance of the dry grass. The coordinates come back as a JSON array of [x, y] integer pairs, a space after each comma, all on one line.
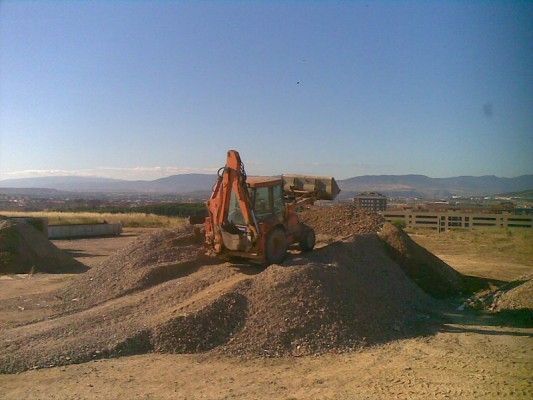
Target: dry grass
[[127, 220], [513, 245], [492, 252]]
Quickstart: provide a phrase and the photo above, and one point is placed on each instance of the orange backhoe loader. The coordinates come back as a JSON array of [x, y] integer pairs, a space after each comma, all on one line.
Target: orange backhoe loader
[[255, 217]]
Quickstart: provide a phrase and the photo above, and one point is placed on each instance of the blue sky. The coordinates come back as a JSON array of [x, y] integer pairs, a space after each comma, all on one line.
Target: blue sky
[[143, 90]]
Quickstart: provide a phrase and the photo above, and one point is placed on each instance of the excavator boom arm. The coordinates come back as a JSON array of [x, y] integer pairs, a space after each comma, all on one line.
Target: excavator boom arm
[[231, 178]]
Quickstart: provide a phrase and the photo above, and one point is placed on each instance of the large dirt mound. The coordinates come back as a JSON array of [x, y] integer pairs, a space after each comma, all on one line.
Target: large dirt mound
[[342, 296], [345, 295], [427, 270], [341, 220], [147, 261], [24, 249]]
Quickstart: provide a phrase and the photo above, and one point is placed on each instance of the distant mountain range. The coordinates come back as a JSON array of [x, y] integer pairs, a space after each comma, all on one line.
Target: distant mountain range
[[391, 185], [424, 186], [172, 184]]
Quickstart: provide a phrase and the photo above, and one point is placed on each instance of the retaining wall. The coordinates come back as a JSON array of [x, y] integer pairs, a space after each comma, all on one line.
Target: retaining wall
[[41, 224], [83, 230]]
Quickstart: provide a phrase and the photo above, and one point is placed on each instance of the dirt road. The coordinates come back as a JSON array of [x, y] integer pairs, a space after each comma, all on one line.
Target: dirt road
[[92, 250], [468, 362]]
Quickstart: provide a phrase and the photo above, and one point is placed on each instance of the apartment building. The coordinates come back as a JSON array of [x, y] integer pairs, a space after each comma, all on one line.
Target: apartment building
[[371, 201]]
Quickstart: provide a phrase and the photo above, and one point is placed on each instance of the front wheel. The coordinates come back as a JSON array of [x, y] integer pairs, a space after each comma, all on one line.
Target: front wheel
[[307, 239], [276, 246]]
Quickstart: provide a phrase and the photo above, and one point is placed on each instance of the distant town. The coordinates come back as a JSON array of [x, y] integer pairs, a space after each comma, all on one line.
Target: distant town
[[20, 199]]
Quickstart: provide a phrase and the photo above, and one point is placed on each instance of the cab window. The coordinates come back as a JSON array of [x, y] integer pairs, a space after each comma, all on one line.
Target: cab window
[[262, 203], [234, 213], [279, 204]]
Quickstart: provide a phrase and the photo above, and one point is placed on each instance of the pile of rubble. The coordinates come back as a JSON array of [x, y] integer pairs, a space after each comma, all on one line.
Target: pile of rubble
[[24, 249], [515, 295], [341, 220]]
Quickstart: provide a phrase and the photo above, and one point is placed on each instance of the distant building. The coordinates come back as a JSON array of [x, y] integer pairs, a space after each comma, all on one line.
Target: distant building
[[371, 201], [447, 219]]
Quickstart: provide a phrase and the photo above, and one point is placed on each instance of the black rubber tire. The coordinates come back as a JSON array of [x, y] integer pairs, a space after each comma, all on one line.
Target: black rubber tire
[[307, 239], [276, 246]]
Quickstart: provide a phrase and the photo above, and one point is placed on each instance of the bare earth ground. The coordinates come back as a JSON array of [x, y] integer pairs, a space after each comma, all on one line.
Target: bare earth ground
[[470, 357], [92, 250]]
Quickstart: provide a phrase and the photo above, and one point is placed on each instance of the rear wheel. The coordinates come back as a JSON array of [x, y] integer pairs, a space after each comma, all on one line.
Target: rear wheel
[[307, 238], [276, 246]]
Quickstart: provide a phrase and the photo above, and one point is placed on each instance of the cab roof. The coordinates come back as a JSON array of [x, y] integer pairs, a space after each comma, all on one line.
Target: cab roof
[[262, 181]]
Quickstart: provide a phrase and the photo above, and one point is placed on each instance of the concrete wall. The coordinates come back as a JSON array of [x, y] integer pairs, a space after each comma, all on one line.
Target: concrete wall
[[82, 230], [443, 220]]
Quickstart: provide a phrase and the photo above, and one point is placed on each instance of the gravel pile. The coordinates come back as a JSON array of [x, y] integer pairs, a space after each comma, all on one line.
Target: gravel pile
[[24, 249], [334, 299], [147, 261], [427, 270], [341, 220], [121, 326]]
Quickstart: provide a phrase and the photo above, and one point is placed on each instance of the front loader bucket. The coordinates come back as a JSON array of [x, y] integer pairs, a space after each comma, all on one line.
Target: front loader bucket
[[322, 187]]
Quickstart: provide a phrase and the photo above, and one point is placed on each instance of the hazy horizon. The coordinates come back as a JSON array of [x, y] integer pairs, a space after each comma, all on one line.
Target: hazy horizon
[[144, 90], [214, 172]]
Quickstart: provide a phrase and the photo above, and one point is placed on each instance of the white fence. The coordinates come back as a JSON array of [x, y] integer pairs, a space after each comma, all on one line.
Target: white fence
[[443, 220]]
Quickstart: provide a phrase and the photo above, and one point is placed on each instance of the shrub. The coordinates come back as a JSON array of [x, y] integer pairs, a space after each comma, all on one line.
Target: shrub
[[399, 223]]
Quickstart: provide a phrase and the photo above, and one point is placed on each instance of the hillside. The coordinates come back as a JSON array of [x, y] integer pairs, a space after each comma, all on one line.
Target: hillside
[[424, 186], [392, 185], [172, 184], [524, 194]]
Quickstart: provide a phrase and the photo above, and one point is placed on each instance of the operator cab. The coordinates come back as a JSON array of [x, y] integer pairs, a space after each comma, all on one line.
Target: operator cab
[[266, 198]]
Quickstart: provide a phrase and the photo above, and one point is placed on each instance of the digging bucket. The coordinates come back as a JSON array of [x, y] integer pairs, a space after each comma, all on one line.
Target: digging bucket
[[323, 187]]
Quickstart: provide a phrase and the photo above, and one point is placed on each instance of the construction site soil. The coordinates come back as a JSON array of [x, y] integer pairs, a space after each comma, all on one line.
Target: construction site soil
[[519, 297], [24, 249], [512, 296], [342, 220], [427, 270], [162, 294]]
